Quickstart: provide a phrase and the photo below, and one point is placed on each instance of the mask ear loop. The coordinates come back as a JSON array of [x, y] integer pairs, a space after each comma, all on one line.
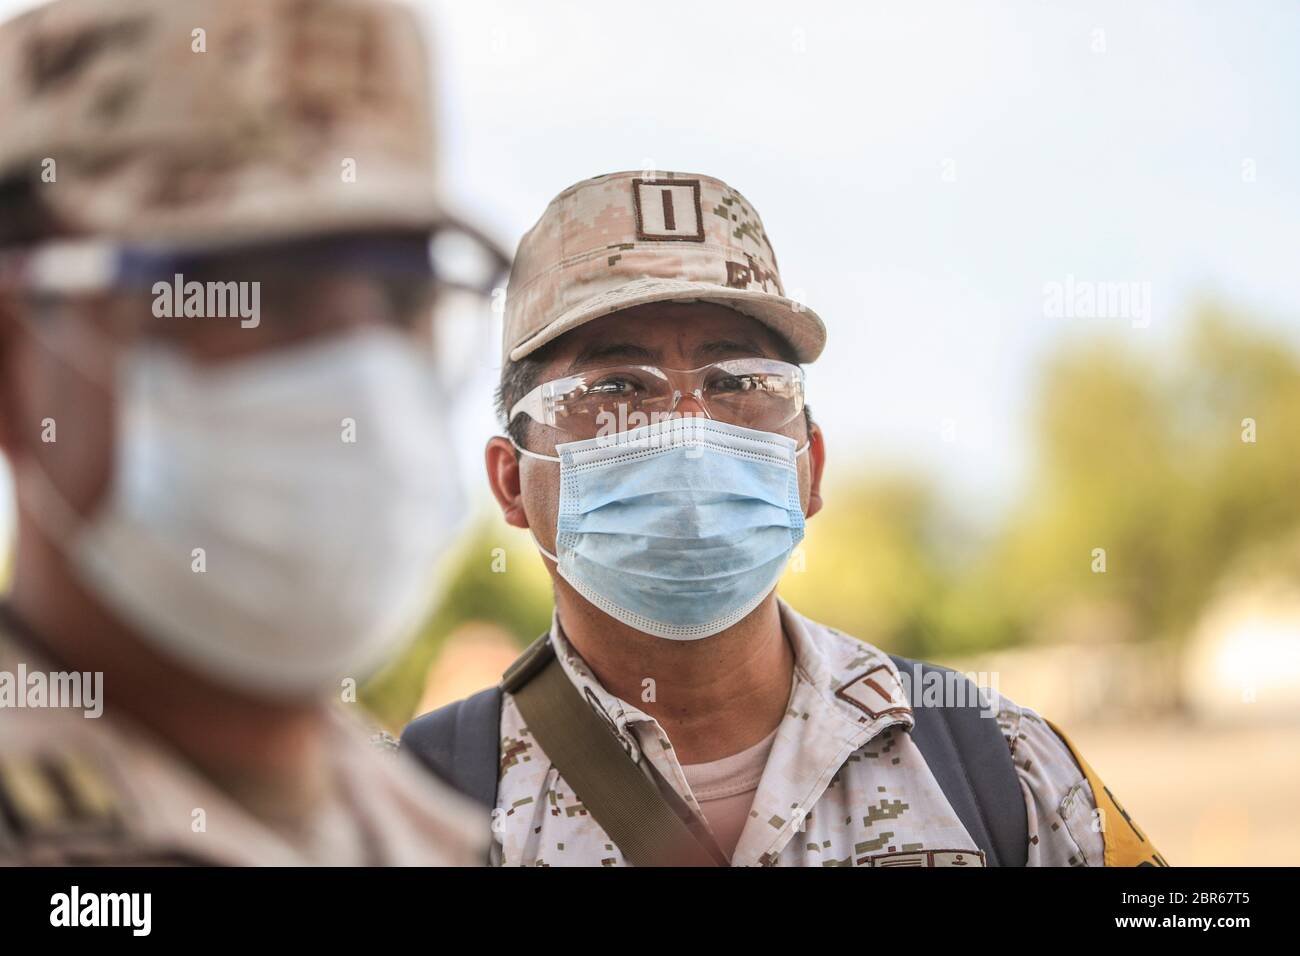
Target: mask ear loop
[[540, 548], [539, 457]]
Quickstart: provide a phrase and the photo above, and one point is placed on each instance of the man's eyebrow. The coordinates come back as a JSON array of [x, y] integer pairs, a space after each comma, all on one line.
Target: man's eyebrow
[[615, 352], [728, 348]]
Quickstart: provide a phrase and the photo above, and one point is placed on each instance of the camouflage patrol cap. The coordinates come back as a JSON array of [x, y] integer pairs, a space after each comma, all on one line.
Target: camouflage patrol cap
[[631, 238], [212, 122]]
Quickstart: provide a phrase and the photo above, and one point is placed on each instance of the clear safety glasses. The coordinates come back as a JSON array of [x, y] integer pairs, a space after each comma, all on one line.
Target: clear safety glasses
[[442, 279], [758, 393]]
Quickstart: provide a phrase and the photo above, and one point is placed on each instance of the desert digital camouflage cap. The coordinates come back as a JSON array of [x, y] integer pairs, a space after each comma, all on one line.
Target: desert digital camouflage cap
[[211, 122], [632, 238]]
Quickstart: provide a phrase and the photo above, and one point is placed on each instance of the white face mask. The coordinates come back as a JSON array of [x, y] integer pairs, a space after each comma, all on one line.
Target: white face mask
[[317, 551]]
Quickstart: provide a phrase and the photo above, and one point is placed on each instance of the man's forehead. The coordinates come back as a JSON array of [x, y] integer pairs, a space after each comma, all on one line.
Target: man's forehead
[[698, 332]]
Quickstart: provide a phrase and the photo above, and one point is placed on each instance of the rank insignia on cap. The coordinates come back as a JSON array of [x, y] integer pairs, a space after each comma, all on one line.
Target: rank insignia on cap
[[668, 210]]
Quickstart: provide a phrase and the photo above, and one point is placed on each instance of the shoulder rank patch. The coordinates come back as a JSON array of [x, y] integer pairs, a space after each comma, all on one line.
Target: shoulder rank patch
[[877, 692], [1125, 844], [56, 795]]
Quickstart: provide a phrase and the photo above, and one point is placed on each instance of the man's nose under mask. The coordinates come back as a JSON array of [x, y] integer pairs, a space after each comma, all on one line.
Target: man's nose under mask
[[678, 529]]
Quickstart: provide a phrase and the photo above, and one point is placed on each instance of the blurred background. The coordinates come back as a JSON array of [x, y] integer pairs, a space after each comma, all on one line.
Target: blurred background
[[1057, 249]]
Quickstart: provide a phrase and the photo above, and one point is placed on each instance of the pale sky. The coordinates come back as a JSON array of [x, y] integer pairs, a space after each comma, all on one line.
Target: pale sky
[[923, 169]]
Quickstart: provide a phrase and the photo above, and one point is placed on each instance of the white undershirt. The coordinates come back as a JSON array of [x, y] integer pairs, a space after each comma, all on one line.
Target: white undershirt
[[725, 790]]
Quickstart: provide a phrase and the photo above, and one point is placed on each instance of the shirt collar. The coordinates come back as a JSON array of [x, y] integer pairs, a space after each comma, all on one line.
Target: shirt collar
[[858, 681]]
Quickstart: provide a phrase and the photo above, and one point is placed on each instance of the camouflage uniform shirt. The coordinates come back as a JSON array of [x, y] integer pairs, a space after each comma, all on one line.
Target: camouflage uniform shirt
[[104, 790], [841, 788]]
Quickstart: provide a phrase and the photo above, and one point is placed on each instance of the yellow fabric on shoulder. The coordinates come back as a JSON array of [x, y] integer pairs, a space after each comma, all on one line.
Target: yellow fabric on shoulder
[[1125, 843]]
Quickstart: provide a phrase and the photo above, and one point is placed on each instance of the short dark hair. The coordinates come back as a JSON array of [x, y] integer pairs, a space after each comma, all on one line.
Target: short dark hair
[[520, 377]]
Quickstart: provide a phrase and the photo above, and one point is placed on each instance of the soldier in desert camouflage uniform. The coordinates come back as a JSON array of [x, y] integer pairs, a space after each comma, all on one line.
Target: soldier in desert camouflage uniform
[[281, 142], [786, 739]]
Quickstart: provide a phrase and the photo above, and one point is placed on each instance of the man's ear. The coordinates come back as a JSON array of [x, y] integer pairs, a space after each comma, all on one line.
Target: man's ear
[[816, 464], [503, 478]]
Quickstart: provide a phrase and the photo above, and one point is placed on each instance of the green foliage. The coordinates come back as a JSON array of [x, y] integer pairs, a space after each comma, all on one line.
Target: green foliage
[[1149, 463]]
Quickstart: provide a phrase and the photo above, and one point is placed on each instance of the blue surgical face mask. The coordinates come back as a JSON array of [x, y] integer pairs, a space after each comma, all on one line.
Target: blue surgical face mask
[[678, 529]]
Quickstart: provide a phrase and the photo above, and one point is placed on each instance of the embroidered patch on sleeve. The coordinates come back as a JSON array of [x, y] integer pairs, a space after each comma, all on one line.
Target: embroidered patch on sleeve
[[668, 210]]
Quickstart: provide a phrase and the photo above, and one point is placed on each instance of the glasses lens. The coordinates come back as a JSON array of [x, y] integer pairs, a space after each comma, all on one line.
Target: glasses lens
[[754, 393], [610, 400]]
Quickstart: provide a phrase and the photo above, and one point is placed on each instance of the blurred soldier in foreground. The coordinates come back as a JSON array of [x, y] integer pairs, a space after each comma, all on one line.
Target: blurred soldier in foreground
[[218, 400], [678, 712]]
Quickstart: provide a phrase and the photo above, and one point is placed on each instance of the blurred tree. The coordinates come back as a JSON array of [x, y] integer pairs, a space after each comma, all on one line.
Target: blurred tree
[[1149, 463]]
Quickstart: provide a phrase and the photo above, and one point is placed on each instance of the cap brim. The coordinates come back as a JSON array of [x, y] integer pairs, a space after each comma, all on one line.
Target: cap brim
[[794, 322]]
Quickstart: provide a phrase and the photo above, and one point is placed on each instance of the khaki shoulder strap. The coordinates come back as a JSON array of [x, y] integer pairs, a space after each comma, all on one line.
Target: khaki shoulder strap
[[614, 790], [1125, 844]]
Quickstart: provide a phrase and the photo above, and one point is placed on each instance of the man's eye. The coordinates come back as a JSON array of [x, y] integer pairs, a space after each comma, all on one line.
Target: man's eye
[[736, 383], [613, 385]]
